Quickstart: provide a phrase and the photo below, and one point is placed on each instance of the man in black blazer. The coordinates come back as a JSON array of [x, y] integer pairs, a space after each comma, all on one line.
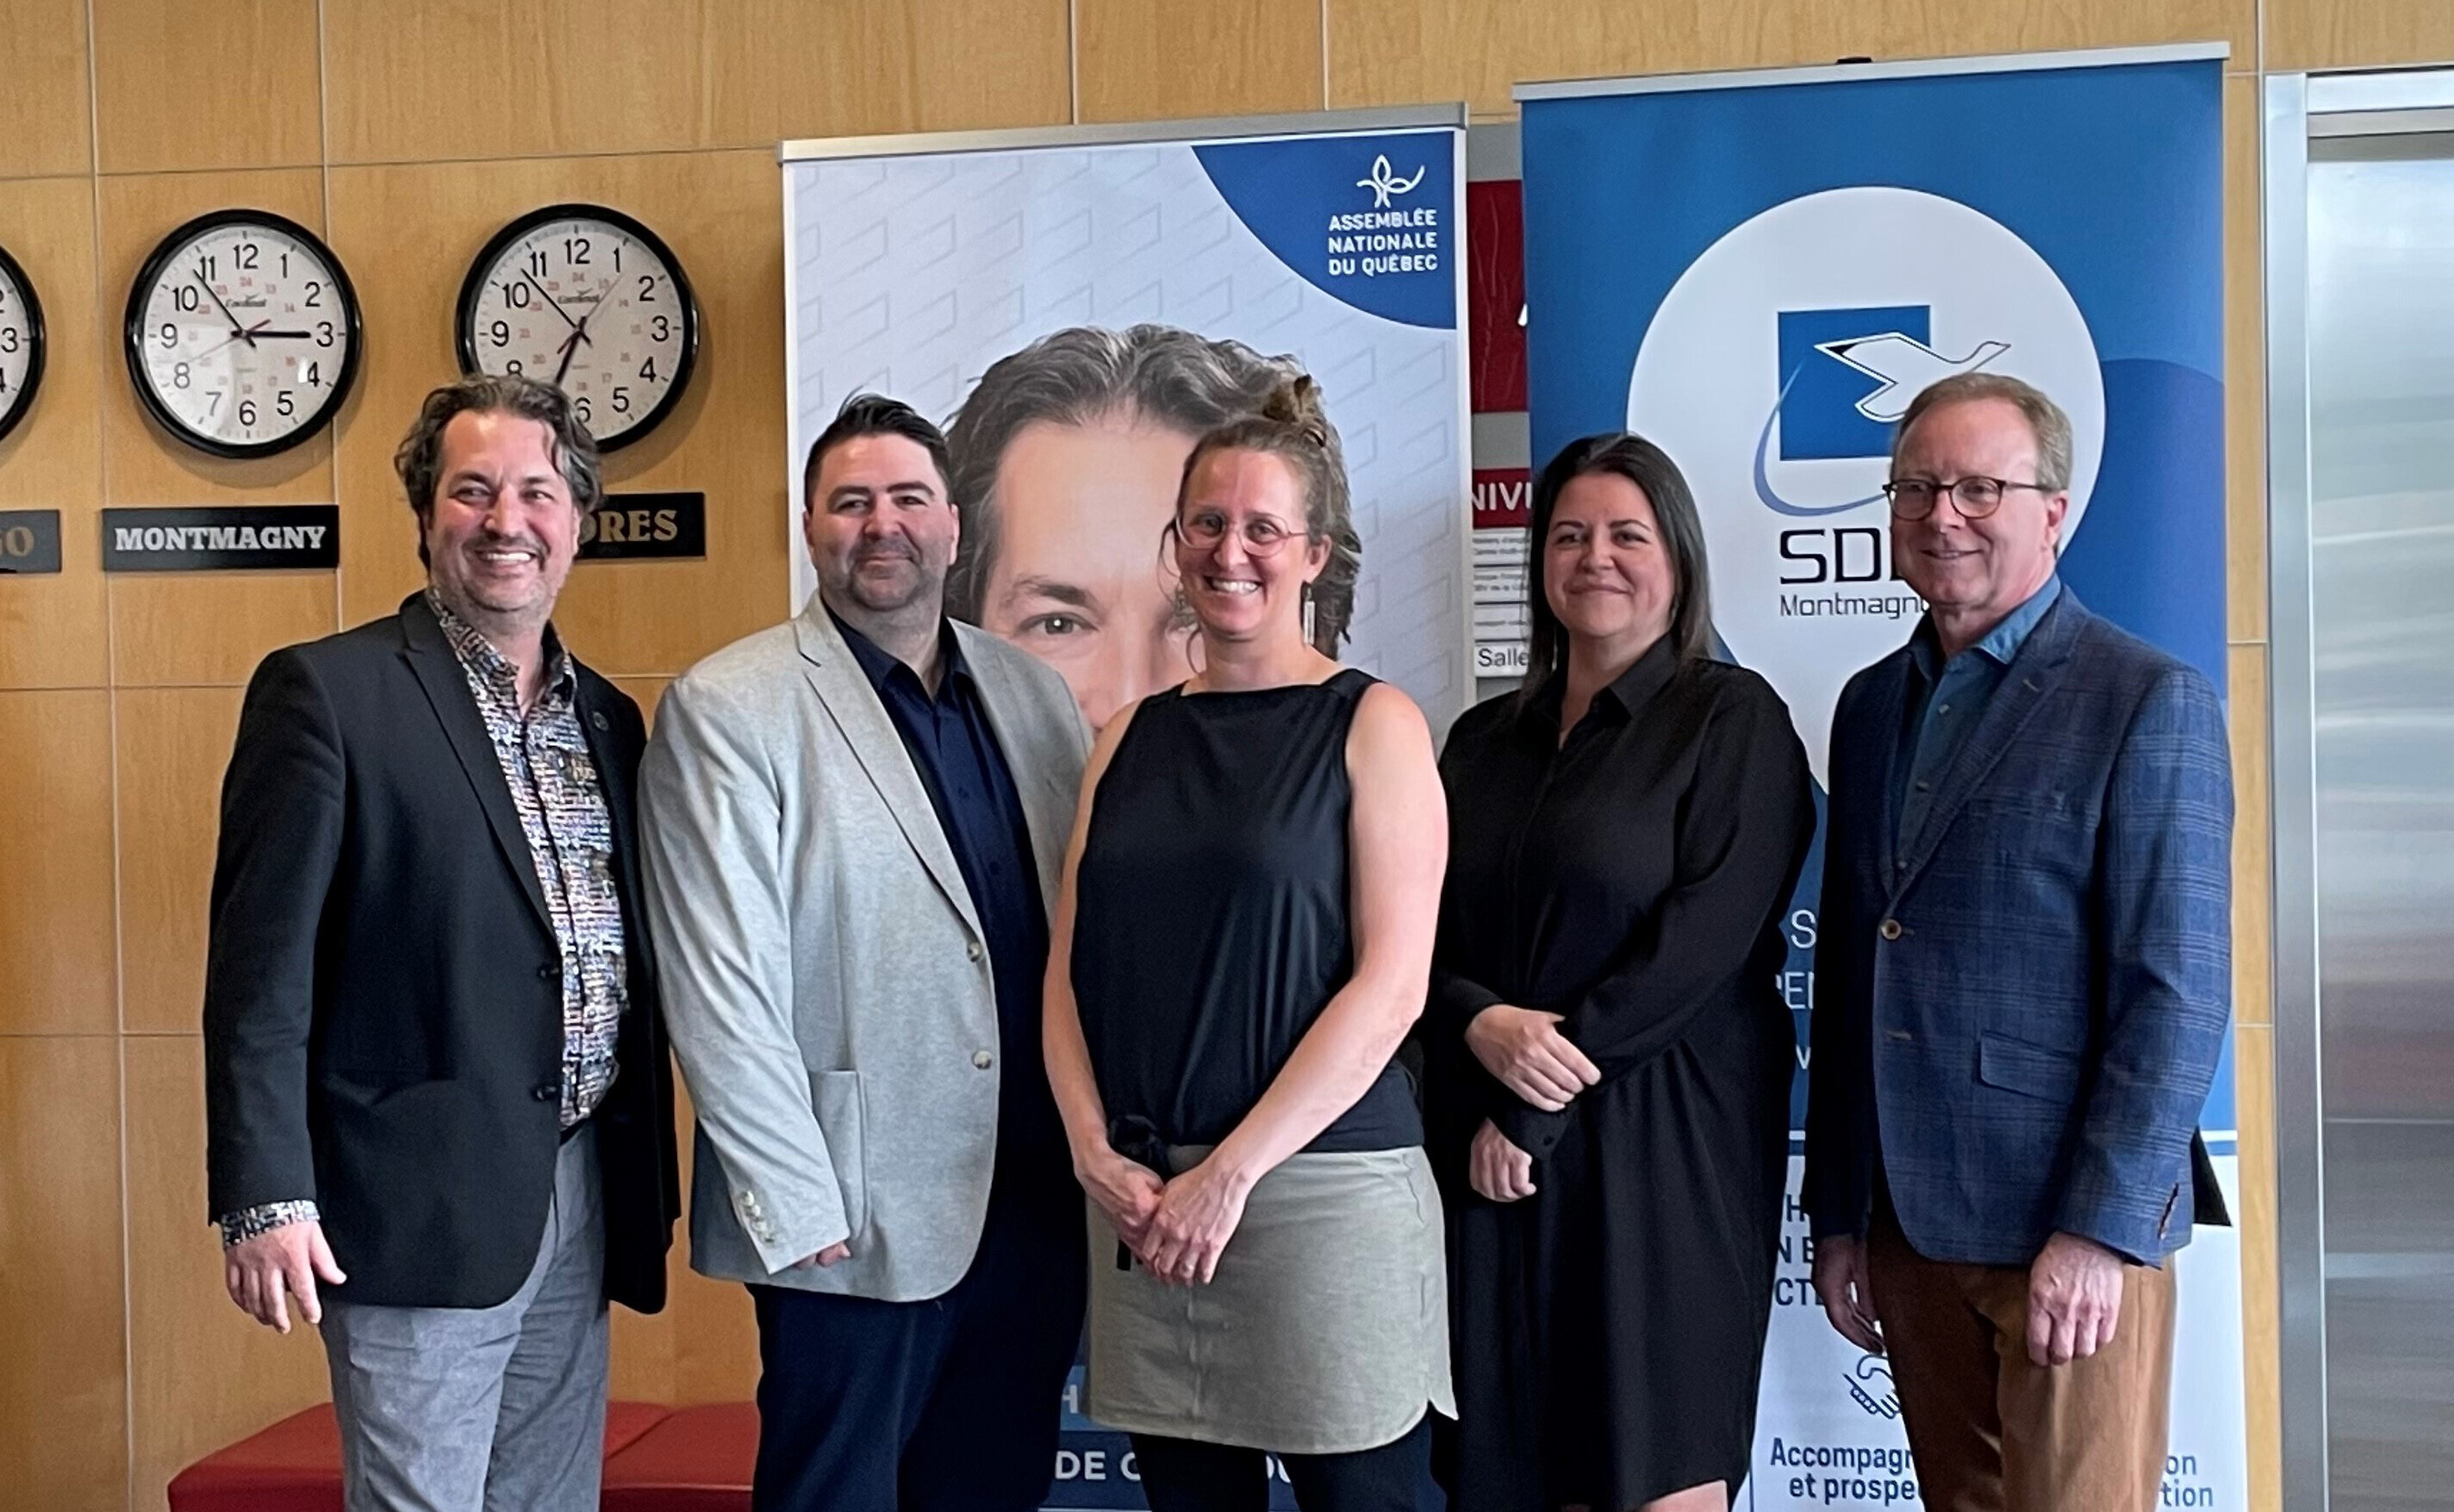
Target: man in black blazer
[[439, 1107]]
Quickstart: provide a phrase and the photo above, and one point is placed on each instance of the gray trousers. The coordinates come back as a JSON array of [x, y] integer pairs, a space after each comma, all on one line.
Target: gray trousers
[[485, 1409]]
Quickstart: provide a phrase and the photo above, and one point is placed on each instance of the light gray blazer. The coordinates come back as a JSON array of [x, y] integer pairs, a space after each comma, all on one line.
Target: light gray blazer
[[825, 977]]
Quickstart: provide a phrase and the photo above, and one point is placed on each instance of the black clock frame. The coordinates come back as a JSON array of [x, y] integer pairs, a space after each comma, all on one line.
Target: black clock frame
[[20, 402], [473, 287], [132, 334]]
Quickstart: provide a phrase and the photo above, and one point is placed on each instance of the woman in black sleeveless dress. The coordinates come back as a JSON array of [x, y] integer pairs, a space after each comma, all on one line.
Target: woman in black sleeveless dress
[[1243, 940], [1610, 1058]]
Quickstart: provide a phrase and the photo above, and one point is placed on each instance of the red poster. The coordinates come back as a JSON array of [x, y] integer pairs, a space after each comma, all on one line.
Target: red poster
[[1495, 254]]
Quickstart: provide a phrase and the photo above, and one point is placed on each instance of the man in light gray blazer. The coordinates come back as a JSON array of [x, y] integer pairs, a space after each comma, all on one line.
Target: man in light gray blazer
[[852, 825]]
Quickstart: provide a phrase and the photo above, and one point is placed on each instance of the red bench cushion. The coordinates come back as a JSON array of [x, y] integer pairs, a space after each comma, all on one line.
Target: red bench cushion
[[697, 1460], [295, 1465]]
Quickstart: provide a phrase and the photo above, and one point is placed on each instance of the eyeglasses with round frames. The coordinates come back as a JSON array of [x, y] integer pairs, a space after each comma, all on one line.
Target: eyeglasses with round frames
[[1262, 536], [1913, 499]]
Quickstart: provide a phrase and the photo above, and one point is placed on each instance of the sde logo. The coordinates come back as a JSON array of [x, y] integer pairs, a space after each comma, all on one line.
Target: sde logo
[[1774, 373]]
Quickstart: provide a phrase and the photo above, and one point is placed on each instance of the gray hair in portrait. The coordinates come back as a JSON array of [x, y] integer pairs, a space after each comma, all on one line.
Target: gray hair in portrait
[[1167, 375], [1294, 428], [1650, 469], [2044, 417], [419, 460]]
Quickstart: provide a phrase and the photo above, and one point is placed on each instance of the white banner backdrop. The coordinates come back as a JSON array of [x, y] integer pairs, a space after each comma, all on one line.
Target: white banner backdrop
[[914, 264]]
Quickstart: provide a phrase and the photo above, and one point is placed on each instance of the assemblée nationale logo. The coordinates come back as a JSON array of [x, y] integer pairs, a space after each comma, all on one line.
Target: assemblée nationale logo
[[1388, 238], [1775, 371]]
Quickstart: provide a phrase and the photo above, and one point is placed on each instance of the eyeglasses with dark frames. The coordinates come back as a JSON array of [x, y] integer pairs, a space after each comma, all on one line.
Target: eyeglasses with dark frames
[[1913, 499]]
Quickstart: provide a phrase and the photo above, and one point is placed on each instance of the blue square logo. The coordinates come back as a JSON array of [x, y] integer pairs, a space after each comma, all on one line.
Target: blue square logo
[[1819, 413]]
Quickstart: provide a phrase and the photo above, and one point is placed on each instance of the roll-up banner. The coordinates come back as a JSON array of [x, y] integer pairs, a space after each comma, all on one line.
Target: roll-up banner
[[1076, 305], [1758, 271]]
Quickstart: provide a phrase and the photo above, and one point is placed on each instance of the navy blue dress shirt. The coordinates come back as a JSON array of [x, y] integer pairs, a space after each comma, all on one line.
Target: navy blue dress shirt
[[965, 770], [1947, 698]]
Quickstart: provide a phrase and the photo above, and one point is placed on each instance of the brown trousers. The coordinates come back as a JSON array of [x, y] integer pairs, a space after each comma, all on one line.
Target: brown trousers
[[1992, 1432]]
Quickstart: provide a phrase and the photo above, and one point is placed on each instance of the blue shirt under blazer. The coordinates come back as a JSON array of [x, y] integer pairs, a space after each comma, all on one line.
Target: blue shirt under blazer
[[2019, 1007]]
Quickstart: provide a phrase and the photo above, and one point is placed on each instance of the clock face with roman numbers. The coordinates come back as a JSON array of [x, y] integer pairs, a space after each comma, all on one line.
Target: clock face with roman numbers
[[242, 333], [588, 299], [21, 343]]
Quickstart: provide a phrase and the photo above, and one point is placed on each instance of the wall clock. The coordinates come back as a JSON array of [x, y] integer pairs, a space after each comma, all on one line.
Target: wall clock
[[21, 343], [242, 333], [589, 299]]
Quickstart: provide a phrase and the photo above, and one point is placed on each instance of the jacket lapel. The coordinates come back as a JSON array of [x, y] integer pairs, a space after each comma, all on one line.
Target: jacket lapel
[[614, 777], [844, 692], [430, 657], [1887, 696], [2031, 678], [1048, 799]]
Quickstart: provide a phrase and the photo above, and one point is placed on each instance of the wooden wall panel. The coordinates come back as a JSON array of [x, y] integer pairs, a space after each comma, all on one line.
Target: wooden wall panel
[[1405, 52], [2253, 836], [204, 1373], [174, 744], [142, 466], [2244, 365], [45, 117], [530, 78], [2356, 33], [58, 946], [51, 631], [211, 629], [722, 214], [180, 85], [2261, 1289], [63, 1376], [1146, 60]]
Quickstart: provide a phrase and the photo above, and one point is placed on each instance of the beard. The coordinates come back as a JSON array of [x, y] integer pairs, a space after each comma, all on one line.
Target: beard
[[888, 579]]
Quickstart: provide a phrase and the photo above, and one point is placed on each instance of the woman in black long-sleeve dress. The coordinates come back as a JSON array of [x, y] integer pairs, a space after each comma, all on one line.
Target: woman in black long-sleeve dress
[[1609, 1056]]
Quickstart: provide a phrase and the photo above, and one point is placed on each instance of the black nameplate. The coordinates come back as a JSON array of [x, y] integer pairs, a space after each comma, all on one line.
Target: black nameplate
[[29, 541], [635, 525], [247, 539]]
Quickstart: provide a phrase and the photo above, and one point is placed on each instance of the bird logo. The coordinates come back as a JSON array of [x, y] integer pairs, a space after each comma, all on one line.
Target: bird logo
[[1904, 366], [1384, 183]]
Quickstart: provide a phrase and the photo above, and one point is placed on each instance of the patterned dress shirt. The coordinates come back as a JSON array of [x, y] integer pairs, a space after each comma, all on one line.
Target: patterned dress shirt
[[561, 801]]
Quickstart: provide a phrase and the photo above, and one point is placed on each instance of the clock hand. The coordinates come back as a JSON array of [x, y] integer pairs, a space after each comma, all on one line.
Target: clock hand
[[593, 311], [550, 304], [235, 328], [579, 332]]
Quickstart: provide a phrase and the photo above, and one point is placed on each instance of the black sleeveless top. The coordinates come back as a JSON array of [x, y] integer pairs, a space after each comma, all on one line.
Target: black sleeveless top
[[1209, 922]]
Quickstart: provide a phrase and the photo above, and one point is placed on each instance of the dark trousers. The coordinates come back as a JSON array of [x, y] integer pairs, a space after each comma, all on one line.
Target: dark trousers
[[1181, 1474], [944, 1405]]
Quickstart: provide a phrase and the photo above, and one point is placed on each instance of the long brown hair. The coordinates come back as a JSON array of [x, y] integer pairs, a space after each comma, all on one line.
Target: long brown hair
[[1633, 457]]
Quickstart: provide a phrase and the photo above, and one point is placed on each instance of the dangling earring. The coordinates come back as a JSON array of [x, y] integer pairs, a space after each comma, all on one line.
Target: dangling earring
[[1308, 606]]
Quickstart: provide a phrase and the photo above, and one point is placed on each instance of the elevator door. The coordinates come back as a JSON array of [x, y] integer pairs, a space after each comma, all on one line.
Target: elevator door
[[2380, 329]]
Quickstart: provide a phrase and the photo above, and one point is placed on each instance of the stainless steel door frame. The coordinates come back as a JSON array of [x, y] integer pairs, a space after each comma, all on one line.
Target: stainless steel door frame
[[2299, 1091], [2299, 108]]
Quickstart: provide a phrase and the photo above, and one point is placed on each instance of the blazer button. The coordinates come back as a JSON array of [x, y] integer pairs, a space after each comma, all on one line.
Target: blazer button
[[982, 1059], [597, 719], [1891, 929], [545, 1093], [548, 973], [973, 951]]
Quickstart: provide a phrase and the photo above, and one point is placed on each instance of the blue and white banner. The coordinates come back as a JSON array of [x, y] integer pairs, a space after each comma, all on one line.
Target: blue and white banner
[[913, 265], [1758, 272]]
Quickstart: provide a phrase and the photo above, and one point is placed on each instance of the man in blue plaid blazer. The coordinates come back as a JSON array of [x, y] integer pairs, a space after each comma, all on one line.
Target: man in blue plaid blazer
[[2022, 984]]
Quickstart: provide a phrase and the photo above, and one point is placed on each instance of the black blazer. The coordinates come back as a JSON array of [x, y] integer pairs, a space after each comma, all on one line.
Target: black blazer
[[383, 992]]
